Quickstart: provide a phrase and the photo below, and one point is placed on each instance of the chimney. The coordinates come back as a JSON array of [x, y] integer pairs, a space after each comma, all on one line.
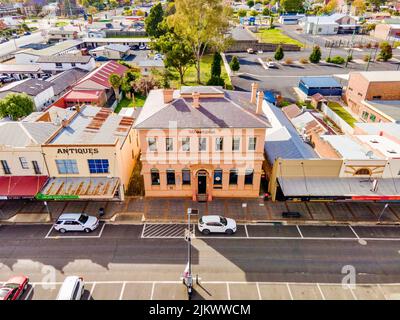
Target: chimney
[[78, 108], [254, 87], [260, 99], [168, 95], [64, 123], [196, 99]]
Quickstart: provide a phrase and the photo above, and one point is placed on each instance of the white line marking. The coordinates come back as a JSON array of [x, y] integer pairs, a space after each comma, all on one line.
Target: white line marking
[[247, 233], [258, 291], [91, 290], [48, 233], [29, 291], [381, 290], [228, 291], [144, 227], [351, 228], [152, 290], [122, 291], [320, 291], [353, 293], [298, 229], [78, 237], [101, 231], [290, 291]]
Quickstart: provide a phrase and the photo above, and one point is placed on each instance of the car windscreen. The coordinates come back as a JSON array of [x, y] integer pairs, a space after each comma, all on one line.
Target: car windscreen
[[223, 221], [4, 292], [83, 218]]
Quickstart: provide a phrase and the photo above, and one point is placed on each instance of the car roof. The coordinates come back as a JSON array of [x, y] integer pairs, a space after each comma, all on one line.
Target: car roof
[[16, 279], [67, 287], [211, 218], [69, 216]]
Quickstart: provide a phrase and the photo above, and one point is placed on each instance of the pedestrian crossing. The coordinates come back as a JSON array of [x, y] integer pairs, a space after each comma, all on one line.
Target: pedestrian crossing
[[164, 231]]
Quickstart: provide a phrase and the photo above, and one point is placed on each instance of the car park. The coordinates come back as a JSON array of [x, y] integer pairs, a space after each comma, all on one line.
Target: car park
[[216, 224], [14, 288], [6, 79], [250, 50], [72, 288], [76, 222]]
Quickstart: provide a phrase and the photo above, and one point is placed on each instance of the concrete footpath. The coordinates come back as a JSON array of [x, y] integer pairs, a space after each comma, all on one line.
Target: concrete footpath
[[138, 209]]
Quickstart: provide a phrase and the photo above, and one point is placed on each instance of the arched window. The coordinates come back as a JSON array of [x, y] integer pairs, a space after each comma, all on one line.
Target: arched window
[[363, 171]]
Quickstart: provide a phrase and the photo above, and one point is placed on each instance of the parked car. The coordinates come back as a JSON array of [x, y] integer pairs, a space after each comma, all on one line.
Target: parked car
[[14, 288], [27, 33], [71, 289], [101, 58], [15, 36], [3, 40], [142, 47], [76, 222], [250, 50], [158, 56], [270, 64], [46, 76], [135, 47], [6, 79], [216, 224]]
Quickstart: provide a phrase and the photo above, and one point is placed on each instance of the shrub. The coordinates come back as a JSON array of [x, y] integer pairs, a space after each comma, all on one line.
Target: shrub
[[368, 45], [367, 58], [304, 60], [216, 81], [349, 58], [288, 61], [386, 51], [337, 60], [234, 64], [279, 53], [328, 59], [315, 55]]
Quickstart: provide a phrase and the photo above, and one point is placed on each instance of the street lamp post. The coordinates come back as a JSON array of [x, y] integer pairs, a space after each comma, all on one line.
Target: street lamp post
[[383, 211], [188, 278]]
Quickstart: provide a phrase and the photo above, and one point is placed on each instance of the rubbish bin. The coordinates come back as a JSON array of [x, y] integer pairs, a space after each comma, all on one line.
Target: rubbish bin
[[101, 212]]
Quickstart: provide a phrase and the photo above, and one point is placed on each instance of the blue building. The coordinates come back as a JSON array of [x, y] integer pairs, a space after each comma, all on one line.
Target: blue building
[[327, 86]]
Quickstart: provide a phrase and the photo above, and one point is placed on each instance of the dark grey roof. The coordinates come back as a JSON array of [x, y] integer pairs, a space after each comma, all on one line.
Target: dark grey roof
[[66, 79], [64, 58], [234, 110], [31, 87]]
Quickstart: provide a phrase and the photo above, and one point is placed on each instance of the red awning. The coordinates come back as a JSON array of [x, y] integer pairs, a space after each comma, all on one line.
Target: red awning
[[21, 186]]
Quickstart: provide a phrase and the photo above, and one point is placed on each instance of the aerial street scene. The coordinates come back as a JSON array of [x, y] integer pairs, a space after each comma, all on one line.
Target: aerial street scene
[[182, 151]]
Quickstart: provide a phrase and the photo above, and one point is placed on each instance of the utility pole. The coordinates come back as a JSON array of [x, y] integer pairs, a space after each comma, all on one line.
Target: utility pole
[[382, 212], [188, 278]]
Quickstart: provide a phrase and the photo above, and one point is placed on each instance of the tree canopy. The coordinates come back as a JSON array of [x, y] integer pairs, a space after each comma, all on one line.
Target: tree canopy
[[16, 105], [292, 5], [153, 21]]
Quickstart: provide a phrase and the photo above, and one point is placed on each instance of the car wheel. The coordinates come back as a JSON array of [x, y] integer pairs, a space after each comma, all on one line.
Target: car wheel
[[205, 231], [87, 230], [229, 231], [62, 230]]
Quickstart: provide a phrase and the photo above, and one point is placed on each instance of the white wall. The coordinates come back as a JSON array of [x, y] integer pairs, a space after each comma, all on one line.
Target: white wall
[[43, 98], [66, 66]]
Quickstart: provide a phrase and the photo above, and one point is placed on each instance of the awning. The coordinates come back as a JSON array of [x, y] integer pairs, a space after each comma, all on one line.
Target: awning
[[21, 186], [79, 188], [339, 187]]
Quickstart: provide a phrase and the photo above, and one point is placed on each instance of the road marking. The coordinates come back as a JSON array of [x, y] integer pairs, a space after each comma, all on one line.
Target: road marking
[[355, 233], [247, 233], [144, 227], [290, 291], [352, 293], [228, 291], [122, 291], [152, 291], [29, 291], [258, 291], [298, 229], [101, 231], [61, 236], [320, 291], [91, 290], [48, 233], [381, 290]]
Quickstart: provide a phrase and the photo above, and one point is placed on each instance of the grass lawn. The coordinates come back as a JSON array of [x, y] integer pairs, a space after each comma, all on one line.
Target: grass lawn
[[276, 36], [341, 112], [205, 69], [128, 103], [61, 23]]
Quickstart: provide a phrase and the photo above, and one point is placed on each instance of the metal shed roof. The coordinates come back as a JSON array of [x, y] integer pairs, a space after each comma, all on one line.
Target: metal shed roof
[[320, 82]]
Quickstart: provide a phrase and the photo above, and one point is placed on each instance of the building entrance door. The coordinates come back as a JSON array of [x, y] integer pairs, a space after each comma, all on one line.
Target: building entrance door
[[202, 182]]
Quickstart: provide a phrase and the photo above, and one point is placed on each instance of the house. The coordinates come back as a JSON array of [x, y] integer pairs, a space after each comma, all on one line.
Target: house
[[41, 92], [290, 18], [387, 32], [326, 86], [148, 66], [21, 71], [111, 51], [91, 157], [215, 148], [64, 81], [58, 63], [374, 95], [30, 56], [61, 34], [334, 24]]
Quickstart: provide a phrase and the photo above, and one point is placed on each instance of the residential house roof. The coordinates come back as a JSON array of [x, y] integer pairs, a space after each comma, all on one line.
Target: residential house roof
[[291, 111], [66, 79], [53, 50], [65, 58], [31, 87]]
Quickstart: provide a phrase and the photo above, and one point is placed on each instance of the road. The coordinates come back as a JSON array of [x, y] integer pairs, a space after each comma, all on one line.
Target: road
[[12, 45]]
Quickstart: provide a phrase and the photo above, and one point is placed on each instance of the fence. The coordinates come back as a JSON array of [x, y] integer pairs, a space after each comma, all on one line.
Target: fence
[[343, 125]]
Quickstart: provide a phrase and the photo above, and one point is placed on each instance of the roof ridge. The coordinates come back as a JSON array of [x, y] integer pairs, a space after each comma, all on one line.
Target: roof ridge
[[22, 125]]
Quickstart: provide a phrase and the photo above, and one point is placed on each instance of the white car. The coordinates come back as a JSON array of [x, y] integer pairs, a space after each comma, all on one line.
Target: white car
[[76, 222], [72, 288], [216, 224], [142, 47], [270, 64]]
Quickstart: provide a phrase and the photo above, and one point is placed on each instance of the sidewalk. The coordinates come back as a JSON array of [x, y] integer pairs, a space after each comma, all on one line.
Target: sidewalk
[[243, 210]]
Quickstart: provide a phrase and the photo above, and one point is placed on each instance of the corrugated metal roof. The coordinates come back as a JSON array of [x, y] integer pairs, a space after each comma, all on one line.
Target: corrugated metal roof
[[320, 82], [21, 134]]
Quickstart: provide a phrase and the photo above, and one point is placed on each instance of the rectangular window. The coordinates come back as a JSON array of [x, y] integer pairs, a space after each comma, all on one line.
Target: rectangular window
[[98, 165], [372, 118], [218, 178], [219, 144], [36, 167], [58, 65], [170, 177], [377, 97], [365, 115], [169, 144], [67, 166], [73, 64], [152, 142], [248, 178], [252, 143], [5, 166], [202, 144], [236, 144], [185, 176], [155, 177], [186, 144], [24, 163], [233, 176]]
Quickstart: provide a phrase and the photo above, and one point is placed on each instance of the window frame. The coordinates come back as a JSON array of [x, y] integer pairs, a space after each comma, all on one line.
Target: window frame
[[250, 144], [169, 144], [168, 174], [219, 144], [99, 166], [238, 143], [185, 142], [186, 182], [157, 173], [247, 173], [24, 163], [150, 145], [200, 144], [233, 175], [72, 164]]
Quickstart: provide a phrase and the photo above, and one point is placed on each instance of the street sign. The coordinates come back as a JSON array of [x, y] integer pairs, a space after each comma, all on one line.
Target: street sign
[[193, 211]]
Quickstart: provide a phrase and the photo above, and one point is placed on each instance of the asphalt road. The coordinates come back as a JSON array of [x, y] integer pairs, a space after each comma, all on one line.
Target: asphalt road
[[12, 45], [256, 253]]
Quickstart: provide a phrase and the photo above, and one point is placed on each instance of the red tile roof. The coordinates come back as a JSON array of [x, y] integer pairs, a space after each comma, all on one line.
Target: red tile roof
[[21, 186]]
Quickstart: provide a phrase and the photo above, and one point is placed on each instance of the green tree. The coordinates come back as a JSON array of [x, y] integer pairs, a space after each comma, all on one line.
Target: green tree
[[315, 55], [266, 12], [279, 54], [202, 24], [234, 64], [386, 51], [242, 13], [115, 81], [16, 105], [216, 65], [178, 52], [250, 3], [153, 20], [254, 13], [292, 5]]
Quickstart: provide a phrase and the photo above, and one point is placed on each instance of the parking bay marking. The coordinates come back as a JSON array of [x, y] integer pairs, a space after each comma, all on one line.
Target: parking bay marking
[[61, 236]]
